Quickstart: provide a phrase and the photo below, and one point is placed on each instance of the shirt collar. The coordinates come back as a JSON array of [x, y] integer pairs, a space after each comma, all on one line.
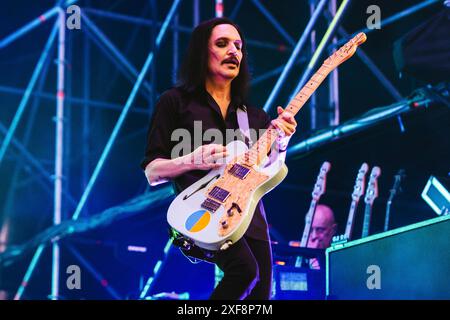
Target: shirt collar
[[235, 103]]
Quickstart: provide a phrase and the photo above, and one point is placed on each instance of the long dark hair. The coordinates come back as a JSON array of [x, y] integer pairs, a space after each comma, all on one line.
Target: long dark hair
[[193, 72]]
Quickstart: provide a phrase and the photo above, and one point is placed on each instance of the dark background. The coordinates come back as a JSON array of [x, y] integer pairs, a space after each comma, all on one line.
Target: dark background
[[27, 201]]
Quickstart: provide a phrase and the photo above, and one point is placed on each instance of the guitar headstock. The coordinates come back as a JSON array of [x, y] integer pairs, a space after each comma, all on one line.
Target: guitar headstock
[[346, 51], [320, 186], [372, 187], [358, 189]]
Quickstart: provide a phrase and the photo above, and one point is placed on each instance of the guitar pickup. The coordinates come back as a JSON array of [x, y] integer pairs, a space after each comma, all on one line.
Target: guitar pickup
[[219, 194], [239, 171], [210, 204]]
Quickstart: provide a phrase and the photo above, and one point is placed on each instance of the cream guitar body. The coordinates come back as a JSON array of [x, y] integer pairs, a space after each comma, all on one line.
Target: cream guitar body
[[216, 211]]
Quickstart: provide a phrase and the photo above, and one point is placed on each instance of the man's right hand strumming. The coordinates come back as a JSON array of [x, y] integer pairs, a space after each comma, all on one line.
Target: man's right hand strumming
[[205, 157], [208, 156]]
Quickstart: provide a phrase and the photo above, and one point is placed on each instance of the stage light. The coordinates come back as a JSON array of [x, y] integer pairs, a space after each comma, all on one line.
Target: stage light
[[137, 249], [436, 196]]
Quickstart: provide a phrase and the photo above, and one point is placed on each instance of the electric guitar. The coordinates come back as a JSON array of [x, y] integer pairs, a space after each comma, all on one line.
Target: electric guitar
[[215, 212], [318, 191], [371, 195], [358, 191], [395, 189]]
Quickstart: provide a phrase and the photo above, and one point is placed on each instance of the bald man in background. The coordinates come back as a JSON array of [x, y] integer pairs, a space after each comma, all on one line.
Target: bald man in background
[[323, 228]]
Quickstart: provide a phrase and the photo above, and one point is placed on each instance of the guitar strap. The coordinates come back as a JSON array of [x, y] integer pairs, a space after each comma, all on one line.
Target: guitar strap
[[244, 127]]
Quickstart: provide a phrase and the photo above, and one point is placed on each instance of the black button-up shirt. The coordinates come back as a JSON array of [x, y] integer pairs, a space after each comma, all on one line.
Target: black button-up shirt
[[177, 109]]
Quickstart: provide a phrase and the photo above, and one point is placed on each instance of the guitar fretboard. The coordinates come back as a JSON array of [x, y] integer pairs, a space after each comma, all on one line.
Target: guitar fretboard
[[308, 223], [366, 223], [262, 147], [350, 220]]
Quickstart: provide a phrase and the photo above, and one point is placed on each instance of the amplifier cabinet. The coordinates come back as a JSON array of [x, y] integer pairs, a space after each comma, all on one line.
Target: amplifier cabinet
[[411, 262]]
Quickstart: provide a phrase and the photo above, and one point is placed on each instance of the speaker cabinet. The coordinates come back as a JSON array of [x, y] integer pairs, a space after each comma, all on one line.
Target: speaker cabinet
[[412, 262]]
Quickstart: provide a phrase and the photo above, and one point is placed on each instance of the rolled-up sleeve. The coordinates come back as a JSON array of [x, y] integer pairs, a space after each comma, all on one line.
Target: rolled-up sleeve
[[162, 124]]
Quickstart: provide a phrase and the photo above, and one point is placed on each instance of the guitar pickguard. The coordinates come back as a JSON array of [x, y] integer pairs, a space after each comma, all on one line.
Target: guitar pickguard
[[239, 193]]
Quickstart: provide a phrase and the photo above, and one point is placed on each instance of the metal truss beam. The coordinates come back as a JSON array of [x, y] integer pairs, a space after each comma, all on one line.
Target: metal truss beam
[[365, 121], [392, 19], [274, 22], [59, 150], [301, 42], [109, 144], [8, 206], [26, 96], [117, 56], [271, 73], [33, 162], [32, 25], [235, 10], [312, 64], [96, 274], [75, 100], [372, 67], [181, 28]]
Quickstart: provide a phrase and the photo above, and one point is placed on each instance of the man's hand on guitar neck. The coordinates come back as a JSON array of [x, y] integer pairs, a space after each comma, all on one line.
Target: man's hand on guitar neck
[[285, 122], [285, 125]]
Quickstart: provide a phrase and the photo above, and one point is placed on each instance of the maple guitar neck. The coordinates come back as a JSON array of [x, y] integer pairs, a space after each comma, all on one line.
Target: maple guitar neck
[[260, 149]]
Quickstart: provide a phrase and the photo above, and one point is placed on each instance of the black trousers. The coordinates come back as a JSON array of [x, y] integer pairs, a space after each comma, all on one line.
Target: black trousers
[[247, 268]]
